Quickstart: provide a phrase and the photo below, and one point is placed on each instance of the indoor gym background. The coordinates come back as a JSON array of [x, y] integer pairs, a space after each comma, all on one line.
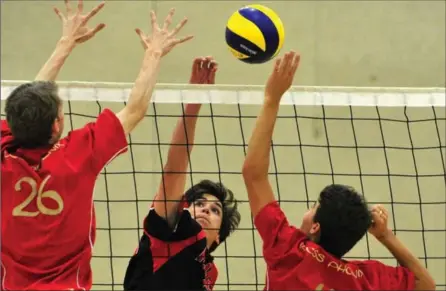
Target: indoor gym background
[[394, 155]]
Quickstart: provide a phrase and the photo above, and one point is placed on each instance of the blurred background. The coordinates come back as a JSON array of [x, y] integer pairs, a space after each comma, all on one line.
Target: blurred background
[[343, 43], [394, 155]]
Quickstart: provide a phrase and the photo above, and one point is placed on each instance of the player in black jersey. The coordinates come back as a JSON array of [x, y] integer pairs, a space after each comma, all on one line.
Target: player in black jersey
[[183, 228]]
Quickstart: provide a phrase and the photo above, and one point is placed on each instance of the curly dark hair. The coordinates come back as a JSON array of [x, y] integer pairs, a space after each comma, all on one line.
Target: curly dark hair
[[231, 215], [31, 110], [344, 218]]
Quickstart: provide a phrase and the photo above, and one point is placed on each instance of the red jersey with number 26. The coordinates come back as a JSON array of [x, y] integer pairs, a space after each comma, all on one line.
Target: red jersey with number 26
[[296, 263], [47, 213]]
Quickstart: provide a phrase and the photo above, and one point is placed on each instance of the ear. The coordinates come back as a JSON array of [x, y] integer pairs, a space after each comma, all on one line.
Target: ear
[[56, 126], [315, 228]]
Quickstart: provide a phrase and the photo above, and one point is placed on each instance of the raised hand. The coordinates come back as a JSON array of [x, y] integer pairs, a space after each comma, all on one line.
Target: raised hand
[[75, 22], [379, 227], [161, 40], [203, 70], [282, 76]]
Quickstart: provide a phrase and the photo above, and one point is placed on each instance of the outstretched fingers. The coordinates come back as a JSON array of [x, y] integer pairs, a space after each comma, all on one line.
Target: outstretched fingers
[[140, 34], [287, 62], [175, 42], [80, 6], [68, 6], [294, 65], [179, 27], [59, 14], [93, 12], [153, 21], [98, 28], [168, 20], [277, 64], [91, 33], [184, 39]]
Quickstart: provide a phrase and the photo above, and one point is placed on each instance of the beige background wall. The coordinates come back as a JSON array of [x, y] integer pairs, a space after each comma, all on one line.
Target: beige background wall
[[342, 43], [359, 43]]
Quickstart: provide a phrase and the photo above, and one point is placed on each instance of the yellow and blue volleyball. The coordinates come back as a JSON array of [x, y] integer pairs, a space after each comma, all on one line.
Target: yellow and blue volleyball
[[255, 34]]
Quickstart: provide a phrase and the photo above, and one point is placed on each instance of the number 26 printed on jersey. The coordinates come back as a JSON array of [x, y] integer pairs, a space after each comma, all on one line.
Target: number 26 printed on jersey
[[19, 210]]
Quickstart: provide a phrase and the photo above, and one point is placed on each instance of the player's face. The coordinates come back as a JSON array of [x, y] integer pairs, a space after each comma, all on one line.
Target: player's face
[[308, 225], [208, 212]]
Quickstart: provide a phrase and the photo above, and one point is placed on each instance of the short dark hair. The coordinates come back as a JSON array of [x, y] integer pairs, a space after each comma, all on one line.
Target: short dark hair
[[231, 216], [30, 111], [344, 218]]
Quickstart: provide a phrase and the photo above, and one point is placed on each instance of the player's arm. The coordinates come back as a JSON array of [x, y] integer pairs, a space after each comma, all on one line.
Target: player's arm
[[256, 165], [271, 223], [173, 181], [156, 45], [423, 280], [105, 138], [75, 31]]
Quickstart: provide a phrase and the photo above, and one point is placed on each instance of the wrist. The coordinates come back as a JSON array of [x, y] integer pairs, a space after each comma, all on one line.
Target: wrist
[[152, 54], [192, 108], [270, 101], [385, 237], [66, 44]]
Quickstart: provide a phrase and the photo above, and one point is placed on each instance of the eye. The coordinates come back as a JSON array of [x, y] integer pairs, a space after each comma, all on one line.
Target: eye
[[216, 210], [199, 203]]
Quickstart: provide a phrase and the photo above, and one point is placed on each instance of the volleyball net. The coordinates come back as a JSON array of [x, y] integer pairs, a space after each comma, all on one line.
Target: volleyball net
[[389, 143]]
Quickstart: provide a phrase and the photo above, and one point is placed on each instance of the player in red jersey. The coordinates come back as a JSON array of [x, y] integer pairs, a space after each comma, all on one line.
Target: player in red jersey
[[310, 257], [48, 222], [183, 228]]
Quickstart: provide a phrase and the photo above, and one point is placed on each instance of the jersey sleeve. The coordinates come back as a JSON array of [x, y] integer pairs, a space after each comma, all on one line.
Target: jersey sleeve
[[278, 236], [101, 140], [5, 130], [388, 277], [166, 242], [6, 133], [157, 227]]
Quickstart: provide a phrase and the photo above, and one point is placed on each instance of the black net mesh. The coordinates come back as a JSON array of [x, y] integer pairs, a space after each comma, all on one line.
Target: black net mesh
[[394, 155]]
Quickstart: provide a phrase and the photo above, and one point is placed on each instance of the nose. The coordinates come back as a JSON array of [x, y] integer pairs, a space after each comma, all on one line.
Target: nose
[[205, 209]]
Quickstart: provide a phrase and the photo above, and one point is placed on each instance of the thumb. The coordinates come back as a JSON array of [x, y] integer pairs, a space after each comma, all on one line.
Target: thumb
[[375, 216], [141, 37], [139, 33], [99, 27], [90, 33]]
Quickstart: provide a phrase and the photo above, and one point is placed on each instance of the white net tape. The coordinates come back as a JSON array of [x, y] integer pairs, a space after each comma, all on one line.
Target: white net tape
[[365, 137], [232, 94]]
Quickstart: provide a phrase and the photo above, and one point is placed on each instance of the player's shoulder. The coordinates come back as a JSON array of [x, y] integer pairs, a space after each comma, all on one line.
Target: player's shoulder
[[366, 263], [4, 124], [385, 277], [107, 118], [5, 131], [369, 267], [271, 210]]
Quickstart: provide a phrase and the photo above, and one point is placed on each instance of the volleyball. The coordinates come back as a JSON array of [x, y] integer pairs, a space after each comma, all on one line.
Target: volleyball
[[255, 34]]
